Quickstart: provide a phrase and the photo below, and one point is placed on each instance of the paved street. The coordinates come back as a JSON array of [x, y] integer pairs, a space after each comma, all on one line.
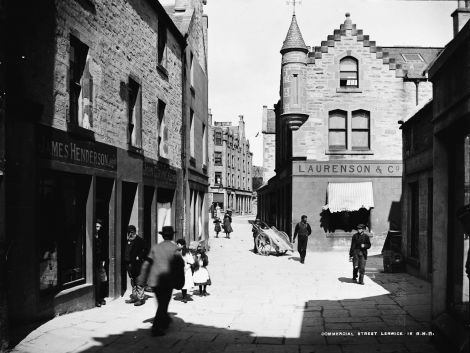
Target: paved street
[[259, 304]]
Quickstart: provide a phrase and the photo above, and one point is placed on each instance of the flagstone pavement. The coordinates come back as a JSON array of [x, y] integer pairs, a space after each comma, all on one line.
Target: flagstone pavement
[[260, 304]]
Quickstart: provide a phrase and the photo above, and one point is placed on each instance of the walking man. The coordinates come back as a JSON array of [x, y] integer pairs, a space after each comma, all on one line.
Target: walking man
[[303, 230], [134, 257], [163, 271], [360, 242]]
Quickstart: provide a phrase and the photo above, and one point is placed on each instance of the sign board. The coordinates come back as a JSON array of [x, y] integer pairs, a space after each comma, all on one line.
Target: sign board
[[159, 171], [348, 168], [57, 145]]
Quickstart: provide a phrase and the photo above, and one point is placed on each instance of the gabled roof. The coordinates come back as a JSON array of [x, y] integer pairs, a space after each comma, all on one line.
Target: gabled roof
[[395, 57], [294, 40], [181, 20]]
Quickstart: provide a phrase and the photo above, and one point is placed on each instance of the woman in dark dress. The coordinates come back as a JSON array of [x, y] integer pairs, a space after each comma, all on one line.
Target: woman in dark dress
[[227, 225]]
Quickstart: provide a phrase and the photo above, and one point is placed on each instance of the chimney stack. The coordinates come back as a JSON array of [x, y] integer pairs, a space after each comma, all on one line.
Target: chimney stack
[[461, 15]]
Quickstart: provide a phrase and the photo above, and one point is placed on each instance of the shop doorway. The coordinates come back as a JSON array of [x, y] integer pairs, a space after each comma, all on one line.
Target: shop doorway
[[149, 217], [165, 210], [129, 215], [104, 214]]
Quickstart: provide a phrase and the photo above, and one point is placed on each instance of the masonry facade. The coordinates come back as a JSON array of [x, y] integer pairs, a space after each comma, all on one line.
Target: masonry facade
[[231, 168], [98, 93], [338, 155]]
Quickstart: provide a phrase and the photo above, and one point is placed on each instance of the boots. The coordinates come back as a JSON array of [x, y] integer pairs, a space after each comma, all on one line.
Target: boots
[[361, 278], [355, 274]]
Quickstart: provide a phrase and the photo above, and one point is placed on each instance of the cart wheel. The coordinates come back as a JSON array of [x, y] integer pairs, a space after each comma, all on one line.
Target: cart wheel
[[263, 245]]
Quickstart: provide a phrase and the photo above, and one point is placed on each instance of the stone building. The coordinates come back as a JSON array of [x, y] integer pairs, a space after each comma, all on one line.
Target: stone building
[[189, 17], [96, 117], [436, 188], [269, 142], [338, 155], [231, 168]]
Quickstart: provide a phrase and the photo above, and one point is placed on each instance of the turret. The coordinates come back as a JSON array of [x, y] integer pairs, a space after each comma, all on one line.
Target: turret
[[293, 80]]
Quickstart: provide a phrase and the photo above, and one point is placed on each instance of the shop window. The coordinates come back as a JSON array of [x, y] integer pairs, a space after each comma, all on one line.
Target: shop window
[[348, 75], [162, 47], [217, 158], [191, 136], [218, 178], [360, 130], [80, 85], [162, 131], [134, 114], [345, 221], [337, 130], [218, 138], [62, 230]]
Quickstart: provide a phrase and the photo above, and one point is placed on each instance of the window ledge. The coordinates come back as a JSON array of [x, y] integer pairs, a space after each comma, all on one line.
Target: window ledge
[[80, 132], [162, 70], [164, 160], [349, 90], [348, 152], [136, 150]]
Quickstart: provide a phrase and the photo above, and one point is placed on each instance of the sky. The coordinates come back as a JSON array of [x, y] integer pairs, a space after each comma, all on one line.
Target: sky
[[245, 37]]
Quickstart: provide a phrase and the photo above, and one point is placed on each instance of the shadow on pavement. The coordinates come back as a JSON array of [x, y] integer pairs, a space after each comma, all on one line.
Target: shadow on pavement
[[346, 280], [294, 258]]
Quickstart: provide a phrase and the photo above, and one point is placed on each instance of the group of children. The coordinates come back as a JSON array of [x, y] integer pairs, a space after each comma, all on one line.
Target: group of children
[[195, 269]]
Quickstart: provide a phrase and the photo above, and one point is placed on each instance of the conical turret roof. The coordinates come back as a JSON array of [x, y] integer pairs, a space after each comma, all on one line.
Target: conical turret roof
[[294, 40]]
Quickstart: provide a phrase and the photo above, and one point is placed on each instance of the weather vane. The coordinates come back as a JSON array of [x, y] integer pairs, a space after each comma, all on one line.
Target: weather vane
[[294, 2]]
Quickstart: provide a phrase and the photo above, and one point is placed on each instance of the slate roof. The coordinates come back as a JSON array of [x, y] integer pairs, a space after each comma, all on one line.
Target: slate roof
[[414, 68], [294, 40]]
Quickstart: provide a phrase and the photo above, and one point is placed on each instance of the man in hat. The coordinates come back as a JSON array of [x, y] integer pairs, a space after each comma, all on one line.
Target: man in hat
[[303, 230], [134, 256], [360, 242], [165, 267]]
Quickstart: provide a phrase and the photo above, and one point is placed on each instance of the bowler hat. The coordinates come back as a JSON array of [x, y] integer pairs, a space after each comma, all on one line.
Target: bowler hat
[[361, 226], [131, 228], [167, 230]]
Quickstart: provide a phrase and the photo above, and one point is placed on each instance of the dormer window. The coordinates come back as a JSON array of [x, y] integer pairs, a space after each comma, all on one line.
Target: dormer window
[[349, 72]]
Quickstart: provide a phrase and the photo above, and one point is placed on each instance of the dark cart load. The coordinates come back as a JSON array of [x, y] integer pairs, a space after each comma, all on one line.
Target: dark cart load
[[269, 239]]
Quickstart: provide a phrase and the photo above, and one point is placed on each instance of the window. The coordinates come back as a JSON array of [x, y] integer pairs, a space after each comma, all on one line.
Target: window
[[228, 179], [135, 114], [238, 163], [360, 130], [80, 85], [191, 134], [204, 144], [161, 46], [228, 160], [218, 137], [217, 158], [348, 75], [337, 130], [412, 57], [218, 178], [191, 70], [162, 131]]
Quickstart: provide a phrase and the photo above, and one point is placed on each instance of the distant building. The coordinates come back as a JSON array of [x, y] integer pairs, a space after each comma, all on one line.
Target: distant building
[[338, 148], [436, 188], [258, 177], [231, 167]]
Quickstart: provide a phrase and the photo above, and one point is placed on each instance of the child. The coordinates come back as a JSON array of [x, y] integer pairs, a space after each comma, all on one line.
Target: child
[[217, 227], [201, 275], [188, 262]]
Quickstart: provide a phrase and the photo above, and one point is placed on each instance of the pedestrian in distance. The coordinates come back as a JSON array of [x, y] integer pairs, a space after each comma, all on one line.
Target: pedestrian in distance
[[100, 258], [227, 225], [188, 272], [217, 227], [164, 271], [360, 242], [201, 275], [134, 256], [303, 230]]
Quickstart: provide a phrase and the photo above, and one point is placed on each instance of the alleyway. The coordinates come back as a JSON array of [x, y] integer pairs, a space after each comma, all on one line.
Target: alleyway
[[259, 304]]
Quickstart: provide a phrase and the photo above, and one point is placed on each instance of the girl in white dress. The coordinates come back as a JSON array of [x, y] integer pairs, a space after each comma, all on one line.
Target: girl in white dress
[[188, 273], [201, 275]]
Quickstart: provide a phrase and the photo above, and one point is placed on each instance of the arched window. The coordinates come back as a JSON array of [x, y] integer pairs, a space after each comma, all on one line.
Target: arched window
[[360, 130], [337, 130], [349, 72]]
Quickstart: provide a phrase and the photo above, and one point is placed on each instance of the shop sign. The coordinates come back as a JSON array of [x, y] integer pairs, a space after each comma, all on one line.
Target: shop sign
[[59, 146], [360, 169], [162, 172]]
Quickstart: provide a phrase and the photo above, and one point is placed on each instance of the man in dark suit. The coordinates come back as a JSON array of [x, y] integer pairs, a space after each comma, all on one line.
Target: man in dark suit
[[163, 271], [360, 242], [134, 256], [303, 230]]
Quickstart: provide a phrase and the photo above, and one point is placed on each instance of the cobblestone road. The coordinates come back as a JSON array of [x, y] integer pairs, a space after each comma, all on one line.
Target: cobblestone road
[[260, 304]]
